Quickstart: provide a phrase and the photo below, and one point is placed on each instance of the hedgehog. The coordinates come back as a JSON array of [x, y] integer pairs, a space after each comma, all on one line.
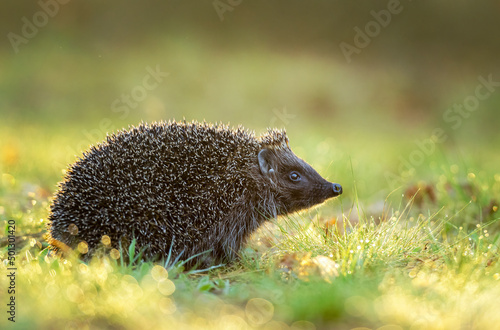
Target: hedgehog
[[191, 190]]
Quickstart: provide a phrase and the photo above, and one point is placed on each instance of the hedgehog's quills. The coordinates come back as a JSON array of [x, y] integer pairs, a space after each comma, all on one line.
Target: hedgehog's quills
[[188, 187]]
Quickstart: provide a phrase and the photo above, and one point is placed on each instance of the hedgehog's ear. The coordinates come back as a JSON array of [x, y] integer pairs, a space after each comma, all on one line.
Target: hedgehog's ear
[[265, 162]]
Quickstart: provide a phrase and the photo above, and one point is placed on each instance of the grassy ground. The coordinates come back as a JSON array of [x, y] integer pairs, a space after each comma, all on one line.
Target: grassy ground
[[423, 258], [410, 244]]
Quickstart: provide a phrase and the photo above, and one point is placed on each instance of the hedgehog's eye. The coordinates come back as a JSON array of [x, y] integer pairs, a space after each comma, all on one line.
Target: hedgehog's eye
[[294, 176]]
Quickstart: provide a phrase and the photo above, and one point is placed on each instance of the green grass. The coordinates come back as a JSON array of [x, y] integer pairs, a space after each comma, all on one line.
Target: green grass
[[408, 262]]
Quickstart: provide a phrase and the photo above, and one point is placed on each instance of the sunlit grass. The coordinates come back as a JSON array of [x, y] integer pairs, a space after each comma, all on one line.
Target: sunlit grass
[[403, 268], [421, 256]]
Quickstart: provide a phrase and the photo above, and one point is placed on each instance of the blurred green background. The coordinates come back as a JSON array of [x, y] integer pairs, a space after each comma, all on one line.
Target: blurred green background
[[67, 71]]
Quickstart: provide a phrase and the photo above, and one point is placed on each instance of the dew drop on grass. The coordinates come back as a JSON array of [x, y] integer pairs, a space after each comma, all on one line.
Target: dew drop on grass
[[83, 247], [159, 273], [166, 287], [106, 240], [259, 311], [115, 254], [303, 325]]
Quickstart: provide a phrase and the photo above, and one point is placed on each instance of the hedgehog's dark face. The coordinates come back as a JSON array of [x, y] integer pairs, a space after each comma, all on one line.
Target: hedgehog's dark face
[[298, 185]]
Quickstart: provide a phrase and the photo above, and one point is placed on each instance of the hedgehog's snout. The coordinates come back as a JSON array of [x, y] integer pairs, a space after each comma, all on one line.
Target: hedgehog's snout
[[337, 189]]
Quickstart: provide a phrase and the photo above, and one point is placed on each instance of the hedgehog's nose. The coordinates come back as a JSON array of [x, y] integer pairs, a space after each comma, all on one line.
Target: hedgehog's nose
[[337, 189]]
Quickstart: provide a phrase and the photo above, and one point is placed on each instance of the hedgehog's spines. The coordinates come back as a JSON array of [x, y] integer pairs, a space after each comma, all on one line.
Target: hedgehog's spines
[[195, 181]]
